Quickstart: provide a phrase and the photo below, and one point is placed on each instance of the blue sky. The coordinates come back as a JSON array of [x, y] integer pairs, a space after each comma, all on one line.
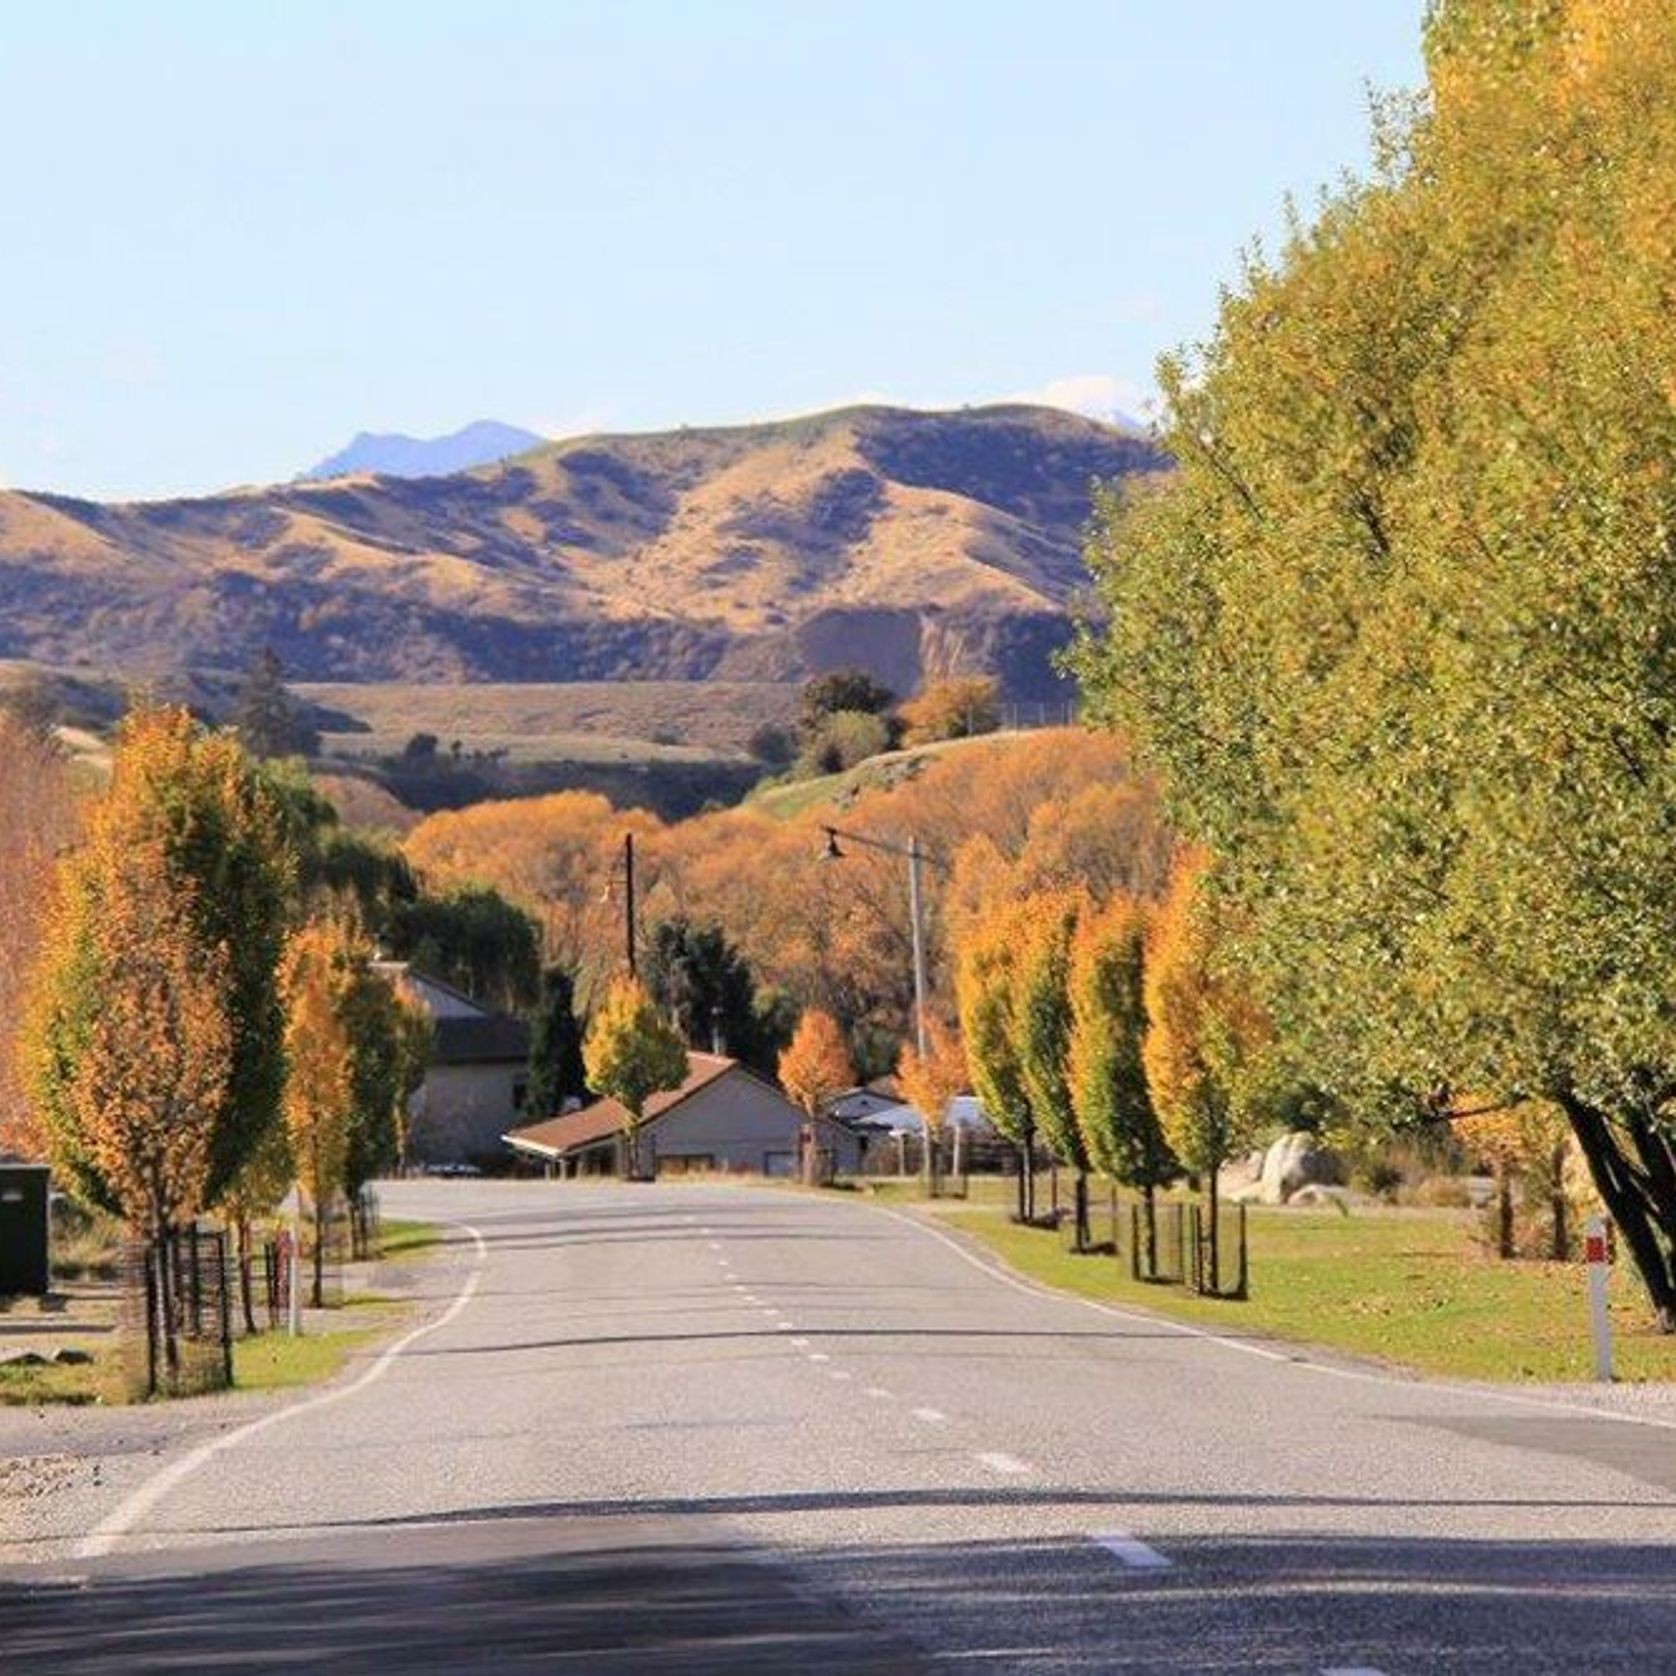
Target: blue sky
[[238, 233]]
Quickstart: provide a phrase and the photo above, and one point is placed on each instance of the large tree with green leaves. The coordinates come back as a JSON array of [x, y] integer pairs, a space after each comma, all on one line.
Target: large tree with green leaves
[[1042, 1023], [707, 988], [1109, 1090], [1401, 625]]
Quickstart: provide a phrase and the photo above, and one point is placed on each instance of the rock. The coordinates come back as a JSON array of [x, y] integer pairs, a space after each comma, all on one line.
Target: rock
[[1240, 1173], [1317, 1194], [69, 1357], [1297, 1159]]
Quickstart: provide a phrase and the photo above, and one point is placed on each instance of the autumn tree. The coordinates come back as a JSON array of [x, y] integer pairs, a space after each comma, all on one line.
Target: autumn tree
[[37, 820], [1523, 1141], [200, 802], [1203, 1038], [1042, 1021], [1109, 1089], [137, 1082], [316, 980], [956, 707], [1398, 625], [930, 1081], [988, 987], [631, 1053], [814, 1066]]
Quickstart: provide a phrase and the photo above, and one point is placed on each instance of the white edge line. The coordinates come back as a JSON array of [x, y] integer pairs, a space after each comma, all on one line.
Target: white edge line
[[1367, 1376], [1134, 1553], [122, 1519]]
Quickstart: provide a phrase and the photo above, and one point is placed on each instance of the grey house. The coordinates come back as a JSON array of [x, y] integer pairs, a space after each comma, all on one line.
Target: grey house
[[722, 1119], [478, 1077]]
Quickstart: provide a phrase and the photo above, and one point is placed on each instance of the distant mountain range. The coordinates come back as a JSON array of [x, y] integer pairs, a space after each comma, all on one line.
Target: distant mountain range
[[909, 542], [391, 454]]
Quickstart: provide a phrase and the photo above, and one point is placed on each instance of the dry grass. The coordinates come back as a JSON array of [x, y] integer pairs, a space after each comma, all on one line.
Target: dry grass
[[581, 720]]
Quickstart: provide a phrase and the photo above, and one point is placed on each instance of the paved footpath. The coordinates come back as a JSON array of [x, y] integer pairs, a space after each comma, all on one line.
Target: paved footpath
[[682, 1429]]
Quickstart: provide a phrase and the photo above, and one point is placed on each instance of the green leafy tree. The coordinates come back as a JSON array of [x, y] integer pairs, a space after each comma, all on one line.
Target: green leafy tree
[[706, 987], [473, 938], [837, 691], [631, 1053], [1043, 1025], [1398, 627], [557, 1073], [988, 986], [1109, 1089]]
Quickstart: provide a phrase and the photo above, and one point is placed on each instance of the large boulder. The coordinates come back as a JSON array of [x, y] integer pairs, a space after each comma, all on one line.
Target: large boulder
[[1297, 1159]]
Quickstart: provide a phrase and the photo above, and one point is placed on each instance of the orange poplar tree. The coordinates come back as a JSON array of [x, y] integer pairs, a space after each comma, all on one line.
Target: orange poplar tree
[[815, 1065], [930, 1080]]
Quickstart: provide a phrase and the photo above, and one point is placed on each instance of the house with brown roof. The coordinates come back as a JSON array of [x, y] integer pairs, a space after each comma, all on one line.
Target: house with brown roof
[[722, 1119]]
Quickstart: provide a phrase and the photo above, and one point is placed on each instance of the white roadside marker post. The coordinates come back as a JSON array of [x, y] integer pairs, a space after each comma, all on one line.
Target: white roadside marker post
[[1594, 1246]]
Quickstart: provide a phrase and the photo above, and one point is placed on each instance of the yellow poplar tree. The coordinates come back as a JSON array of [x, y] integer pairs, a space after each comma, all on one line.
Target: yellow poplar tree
[[632, 1052], [319, 1089]]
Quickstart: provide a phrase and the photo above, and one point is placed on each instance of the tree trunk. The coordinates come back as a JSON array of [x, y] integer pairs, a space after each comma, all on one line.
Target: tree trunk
[[1214, 1240], [247, 1294], [166, 1306], [1504, 1211], [1643, 1218], [319, 1297], [1149, 1196], [1081, 1203]]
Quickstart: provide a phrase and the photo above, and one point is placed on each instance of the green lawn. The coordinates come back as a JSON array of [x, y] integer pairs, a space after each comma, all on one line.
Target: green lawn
[[402, 1240], [275, 1361], [1407, 1287]]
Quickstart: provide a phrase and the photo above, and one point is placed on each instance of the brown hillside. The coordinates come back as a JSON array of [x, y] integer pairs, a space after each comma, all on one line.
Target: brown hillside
[[907, 541]]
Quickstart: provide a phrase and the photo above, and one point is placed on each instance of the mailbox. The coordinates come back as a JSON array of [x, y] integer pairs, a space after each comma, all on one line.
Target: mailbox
[[24, 1263]]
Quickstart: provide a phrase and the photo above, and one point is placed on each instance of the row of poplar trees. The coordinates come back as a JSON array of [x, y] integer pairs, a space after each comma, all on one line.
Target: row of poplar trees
[[200, 1034], [1102, 1031]]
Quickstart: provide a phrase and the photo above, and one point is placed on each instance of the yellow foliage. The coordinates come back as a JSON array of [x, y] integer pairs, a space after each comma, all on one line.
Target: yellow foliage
[[932, 1079]]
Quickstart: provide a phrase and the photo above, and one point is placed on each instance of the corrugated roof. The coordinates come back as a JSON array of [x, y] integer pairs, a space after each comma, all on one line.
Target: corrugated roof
[[604, 1118]]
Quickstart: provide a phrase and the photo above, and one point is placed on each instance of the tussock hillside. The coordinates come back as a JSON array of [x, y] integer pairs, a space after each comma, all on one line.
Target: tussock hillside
[[906, 541]]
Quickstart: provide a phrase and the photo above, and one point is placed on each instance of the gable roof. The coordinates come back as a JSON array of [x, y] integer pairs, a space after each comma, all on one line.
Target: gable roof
[[604, 1118], [465, 1032]]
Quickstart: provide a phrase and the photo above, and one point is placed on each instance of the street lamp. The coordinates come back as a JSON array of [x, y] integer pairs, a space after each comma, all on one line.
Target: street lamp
[[917, 857]]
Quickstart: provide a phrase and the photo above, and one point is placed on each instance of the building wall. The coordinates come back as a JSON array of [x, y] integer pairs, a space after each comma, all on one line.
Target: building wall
[[739, 1123], [461, 1112]]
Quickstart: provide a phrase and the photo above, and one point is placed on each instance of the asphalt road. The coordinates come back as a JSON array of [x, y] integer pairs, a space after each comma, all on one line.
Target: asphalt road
[[682, 1429]]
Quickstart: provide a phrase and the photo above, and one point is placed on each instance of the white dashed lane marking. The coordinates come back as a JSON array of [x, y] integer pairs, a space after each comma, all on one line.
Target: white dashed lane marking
[[819, 1356], [1137, 1555], [801, 1343], [878, 1391], [1009, 1466], [931, 1416], [839, 1373]]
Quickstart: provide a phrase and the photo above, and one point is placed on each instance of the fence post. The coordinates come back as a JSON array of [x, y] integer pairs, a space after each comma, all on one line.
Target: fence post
[[226, 1315]]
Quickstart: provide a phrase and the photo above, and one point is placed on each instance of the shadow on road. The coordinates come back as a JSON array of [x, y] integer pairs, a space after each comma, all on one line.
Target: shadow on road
[[566, 1594]]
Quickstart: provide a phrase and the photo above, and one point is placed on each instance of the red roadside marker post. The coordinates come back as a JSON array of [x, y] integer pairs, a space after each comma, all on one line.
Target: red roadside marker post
[[1595, 1253]]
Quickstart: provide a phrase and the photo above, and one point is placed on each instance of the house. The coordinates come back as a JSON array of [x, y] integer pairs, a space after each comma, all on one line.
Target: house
[[475, 1087], [857, 1105], [723, 1118]]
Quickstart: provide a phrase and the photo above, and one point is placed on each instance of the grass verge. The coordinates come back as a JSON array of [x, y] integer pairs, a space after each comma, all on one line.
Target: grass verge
[[1409, 1288], [400, 1241]]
